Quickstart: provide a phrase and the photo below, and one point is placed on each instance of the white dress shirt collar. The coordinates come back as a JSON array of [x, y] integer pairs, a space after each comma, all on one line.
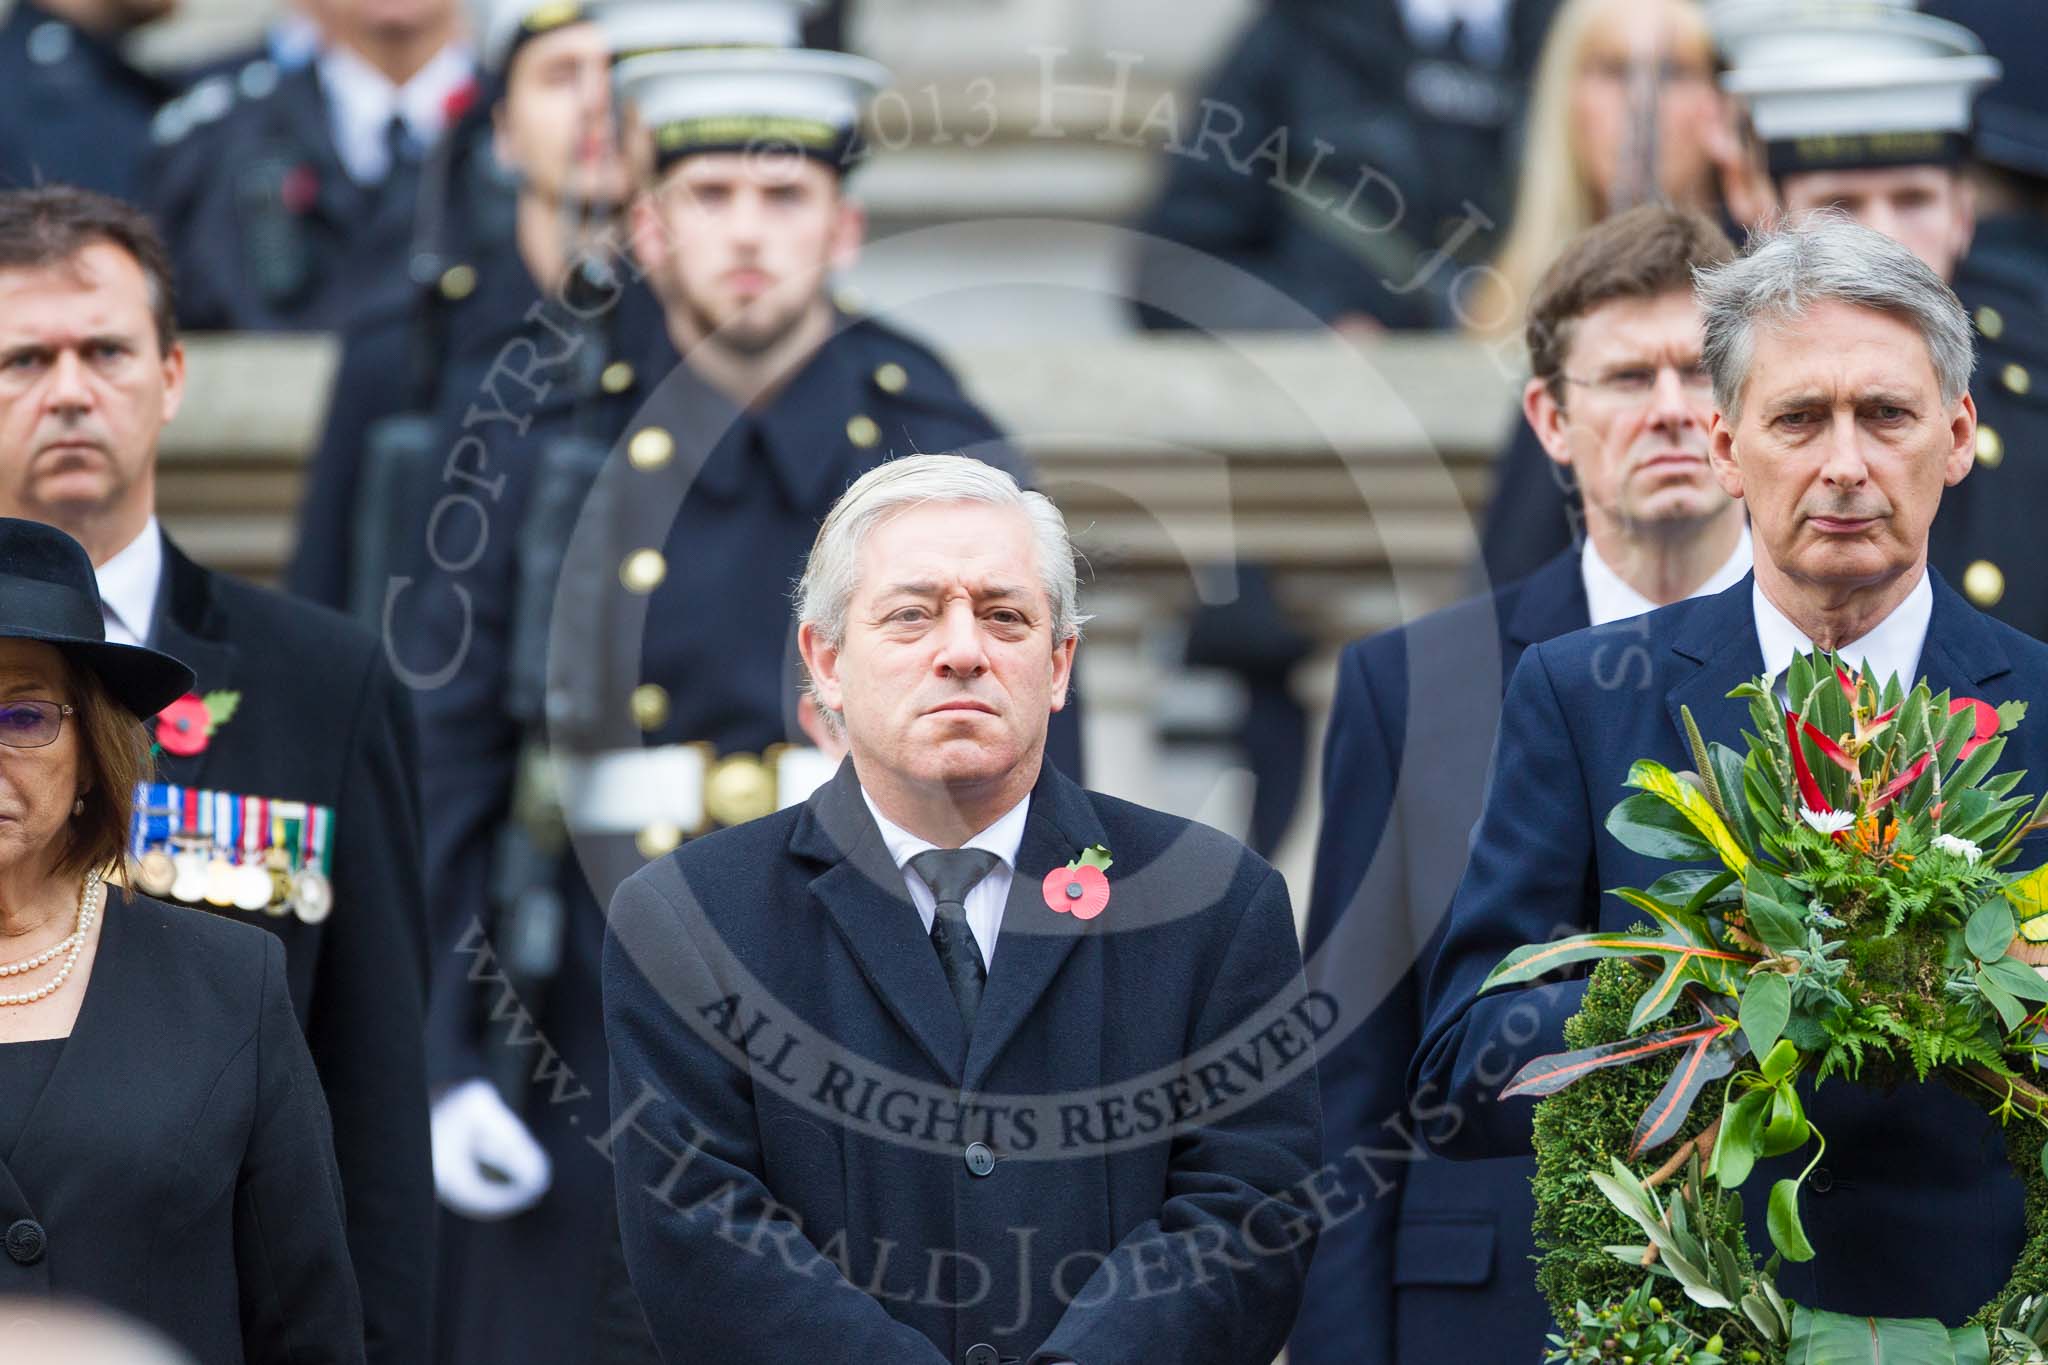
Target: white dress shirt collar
[[128, 587], [985, 902], [1609, 597], [362, 100], [1890, 648]]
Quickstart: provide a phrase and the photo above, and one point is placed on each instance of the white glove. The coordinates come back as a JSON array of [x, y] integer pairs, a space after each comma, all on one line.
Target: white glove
[[486, 1164]]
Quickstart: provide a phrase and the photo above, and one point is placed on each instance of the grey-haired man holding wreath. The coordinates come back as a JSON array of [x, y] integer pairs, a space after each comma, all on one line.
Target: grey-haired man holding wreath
[[1841, 367]]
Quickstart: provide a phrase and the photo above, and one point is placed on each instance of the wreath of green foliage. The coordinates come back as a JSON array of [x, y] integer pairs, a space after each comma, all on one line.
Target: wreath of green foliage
[[1860, 929], [1585, 1128]]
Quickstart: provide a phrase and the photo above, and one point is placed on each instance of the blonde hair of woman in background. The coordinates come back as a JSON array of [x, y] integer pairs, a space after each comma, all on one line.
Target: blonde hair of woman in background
[[1582, 156]]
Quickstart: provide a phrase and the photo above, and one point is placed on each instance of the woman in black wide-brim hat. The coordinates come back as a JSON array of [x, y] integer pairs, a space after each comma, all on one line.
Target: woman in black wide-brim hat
[[164, 1146]]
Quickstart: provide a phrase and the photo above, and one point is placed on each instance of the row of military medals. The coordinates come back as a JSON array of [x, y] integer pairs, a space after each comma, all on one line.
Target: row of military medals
[[241, 852]]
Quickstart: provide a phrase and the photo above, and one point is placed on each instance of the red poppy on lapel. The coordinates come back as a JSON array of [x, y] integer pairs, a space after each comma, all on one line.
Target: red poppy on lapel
[[1080, 888], [459, 101], [300, 190], [186, 726]]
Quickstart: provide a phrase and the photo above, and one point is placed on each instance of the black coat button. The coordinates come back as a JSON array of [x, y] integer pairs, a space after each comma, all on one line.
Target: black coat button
[[981, 1353], [980, 1161], [1821, 1181], [26, 1242]]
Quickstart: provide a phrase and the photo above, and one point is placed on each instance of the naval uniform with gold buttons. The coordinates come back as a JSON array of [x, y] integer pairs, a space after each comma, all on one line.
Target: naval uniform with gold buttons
[[1987, 537], [474, 323], [718, 510]]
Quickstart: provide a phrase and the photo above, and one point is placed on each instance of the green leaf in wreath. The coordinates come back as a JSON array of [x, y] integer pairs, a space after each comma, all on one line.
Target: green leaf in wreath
[[1680, 885], [1972, 769], [2009, 1010], [1758, 1310], [1799, 680], [1548, 1075], [1989, 931], [1766, 1005], [2029, 896], [1954, 735], [1776, 916], [1686, 925], [1657, 1001], [1727, 766], [1709, 1059], [1532, 960], [1786, 1130], [1972, 1345], [1701, 812], [1788, 1234], [2018, 979], [1781, 1061], [1742, 1130], [1647, 824], [1823, 1338]]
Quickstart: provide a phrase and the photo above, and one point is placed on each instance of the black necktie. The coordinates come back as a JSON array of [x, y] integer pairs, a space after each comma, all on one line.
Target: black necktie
[[402, 181], [951, 873]]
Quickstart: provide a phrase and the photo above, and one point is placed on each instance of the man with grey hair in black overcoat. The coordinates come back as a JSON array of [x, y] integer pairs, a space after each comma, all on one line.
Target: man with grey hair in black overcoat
[[957, 1061]]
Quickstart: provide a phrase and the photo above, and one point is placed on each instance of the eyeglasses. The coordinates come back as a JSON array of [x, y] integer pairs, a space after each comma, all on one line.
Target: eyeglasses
[[31, 724], [1635, 383]]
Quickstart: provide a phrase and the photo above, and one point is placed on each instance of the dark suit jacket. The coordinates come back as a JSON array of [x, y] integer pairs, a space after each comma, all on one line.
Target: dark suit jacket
[[322, 720], [178, 1163], [1171, 1245], [734, 513], [1903, 1170], [1435, 1266]]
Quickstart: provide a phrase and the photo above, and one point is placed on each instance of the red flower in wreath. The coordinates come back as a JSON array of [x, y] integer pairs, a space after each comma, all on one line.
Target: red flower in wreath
[[1081, 888]]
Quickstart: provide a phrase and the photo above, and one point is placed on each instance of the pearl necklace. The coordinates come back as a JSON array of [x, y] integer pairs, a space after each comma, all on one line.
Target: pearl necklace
[[89, 901]]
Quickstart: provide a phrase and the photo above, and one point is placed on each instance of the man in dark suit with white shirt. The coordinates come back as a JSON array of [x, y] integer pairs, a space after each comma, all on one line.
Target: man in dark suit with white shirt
[[1430, 1260], [320, 733], [1841, 367], [902, 1070]]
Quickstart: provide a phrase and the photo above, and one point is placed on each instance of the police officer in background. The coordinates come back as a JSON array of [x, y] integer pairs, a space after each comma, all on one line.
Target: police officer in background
[[289, 197], [515, 219], [626, 614], [2009, 133], [1883, 138], [75, 110]]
